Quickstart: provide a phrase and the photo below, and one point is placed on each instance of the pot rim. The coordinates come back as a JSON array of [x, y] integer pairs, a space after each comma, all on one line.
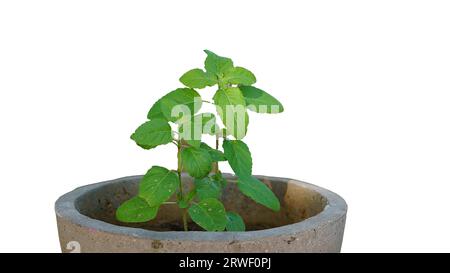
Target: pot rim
[[334, 210]]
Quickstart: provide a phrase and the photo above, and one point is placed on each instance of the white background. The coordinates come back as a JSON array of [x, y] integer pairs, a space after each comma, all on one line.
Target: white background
[[365, 86]]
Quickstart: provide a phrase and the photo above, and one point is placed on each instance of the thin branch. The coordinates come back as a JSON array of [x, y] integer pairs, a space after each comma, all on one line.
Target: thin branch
[[216, 164], [179, 167], [169, 203], [185, 224]]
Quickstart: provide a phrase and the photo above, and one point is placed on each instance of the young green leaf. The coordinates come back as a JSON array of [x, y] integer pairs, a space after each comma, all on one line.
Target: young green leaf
[[135, 210], [157, 185], [152, 133], [209, 214], [197, 78], [207, 188], [187, 100], [234, 222], [216, 64], [239, 75], [259, 101], [258, 191], [197, 162], [216, 155], [238, 156], [230, 104]]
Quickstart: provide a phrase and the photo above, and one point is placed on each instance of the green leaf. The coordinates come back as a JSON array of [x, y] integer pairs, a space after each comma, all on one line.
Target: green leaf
[[238, 156], [258, 191], [207, 188], [184, 203], [136, 210], [194, 143], [197, 78], [259, 101], [157, 185], [190, 132], [197, 162], [209, 214], [156, 112], [234, 222], [216, 155], [230, 104], [152, 133], [193, 127], [239, 75], [216, 64], [220, 179], [209, 125], [187, 100]]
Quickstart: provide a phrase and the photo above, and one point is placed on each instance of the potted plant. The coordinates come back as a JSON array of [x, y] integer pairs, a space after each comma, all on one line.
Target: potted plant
[[195, 207]]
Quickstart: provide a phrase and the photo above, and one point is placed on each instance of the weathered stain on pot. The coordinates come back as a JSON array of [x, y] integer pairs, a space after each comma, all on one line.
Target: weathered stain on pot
[[311, 219]]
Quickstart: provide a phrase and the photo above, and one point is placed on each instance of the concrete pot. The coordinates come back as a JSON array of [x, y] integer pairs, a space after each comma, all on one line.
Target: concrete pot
[[311, 219]]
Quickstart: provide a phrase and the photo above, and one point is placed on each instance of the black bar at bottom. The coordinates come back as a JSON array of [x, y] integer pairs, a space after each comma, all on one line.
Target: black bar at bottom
[[259, 262]]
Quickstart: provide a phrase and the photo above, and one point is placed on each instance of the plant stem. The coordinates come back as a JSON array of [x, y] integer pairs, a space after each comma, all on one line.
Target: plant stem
[[181, 197], [179, 168], [216, 164], [185, 226]]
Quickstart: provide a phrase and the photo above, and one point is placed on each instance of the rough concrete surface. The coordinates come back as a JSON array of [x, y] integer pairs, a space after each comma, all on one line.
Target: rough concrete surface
[[311, 219]]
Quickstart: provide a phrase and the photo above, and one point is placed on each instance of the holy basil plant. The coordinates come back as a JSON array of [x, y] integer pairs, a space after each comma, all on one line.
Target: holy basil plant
[[176, 119]]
